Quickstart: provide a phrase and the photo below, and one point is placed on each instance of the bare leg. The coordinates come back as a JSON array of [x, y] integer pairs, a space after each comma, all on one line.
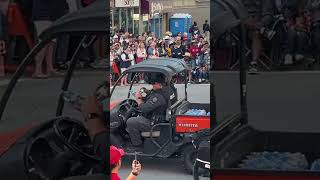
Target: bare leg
[[122, 81], [2, 67], [126, 80], [49, 58], [38, 62], [256, 47]]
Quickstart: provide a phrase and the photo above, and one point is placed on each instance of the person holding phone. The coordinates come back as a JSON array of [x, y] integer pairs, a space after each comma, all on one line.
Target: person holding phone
[[115, 164]]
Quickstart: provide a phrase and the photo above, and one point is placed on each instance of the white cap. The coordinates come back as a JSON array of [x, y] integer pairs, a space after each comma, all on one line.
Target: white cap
[[115, 37]]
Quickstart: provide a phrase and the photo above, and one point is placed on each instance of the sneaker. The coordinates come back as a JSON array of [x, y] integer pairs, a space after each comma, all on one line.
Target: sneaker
[[39, 76], [200, 80], [299, 57], [288, 59], [102, 64], [253, 68], [189, 82]]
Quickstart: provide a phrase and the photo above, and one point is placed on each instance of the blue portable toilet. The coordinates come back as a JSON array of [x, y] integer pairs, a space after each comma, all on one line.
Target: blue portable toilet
[[156, 25], [180, 23]]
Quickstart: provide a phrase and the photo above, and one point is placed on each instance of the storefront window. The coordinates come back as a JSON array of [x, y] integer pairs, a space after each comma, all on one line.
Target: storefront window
[[130, 20], [116, 21], [123, 19]]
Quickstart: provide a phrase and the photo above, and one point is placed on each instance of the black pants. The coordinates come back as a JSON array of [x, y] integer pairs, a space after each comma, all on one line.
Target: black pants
[[298, 42], [315, 38], [135, 126]]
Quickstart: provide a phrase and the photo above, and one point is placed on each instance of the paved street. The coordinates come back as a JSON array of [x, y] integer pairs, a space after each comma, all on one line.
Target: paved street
[[158, 169], [35, 100], [277, 101]]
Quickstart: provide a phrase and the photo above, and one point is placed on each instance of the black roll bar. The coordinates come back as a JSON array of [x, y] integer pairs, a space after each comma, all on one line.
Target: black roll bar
[[67, 79]]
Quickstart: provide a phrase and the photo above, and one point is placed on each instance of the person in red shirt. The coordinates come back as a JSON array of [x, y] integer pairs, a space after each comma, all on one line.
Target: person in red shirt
[[115, 164], [194, 50]]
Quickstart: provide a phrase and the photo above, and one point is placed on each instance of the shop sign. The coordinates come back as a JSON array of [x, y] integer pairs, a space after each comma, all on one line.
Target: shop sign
[[160, 6], [127, 3]]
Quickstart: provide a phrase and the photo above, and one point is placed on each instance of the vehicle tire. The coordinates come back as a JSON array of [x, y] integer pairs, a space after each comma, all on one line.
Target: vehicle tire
[[196, 171], [189, 155]]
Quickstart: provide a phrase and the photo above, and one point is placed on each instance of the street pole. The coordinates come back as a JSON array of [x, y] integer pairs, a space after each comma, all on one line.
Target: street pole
[[120, 18], [140, 19], [112, 19], [127, 20]]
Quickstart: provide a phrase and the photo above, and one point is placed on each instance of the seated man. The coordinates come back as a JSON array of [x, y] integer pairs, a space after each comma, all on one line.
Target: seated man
[[153, 109]]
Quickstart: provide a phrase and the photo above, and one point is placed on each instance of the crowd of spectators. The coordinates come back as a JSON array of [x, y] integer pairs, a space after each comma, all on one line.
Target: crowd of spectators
[[27, 19], [281, 33], [128, 49]]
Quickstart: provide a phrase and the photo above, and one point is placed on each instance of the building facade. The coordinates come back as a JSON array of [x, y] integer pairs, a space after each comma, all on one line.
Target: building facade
[[137, 16], [129, 15], [198, 9]]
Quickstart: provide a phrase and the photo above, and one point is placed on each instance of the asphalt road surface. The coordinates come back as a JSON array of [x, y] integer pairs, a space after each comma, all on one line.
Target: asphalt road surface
[[35, 100], [158, 169], [277, 101]]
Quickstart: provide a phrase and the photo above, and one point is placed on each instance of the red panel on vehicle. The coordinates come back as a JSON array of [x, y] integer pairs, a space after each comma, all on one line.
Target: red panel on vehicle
[[191, 124], [10, 138], [113, 104]]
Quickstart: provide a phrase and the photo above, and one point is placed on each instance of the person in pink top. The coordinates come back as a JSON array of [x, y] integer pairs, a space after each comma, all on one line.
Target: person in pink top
[[141, 53]]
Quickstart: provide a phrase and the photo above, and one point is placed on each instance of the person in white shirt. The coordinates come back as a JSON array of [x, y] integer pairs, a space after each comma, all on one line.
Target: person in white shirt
[[126, 59]]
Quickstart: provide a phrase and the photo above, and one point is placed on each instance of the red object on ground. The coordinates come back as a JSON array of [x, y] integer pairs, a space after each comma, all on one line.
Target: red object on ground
[[191, 124], [17, 25], [10, 138]]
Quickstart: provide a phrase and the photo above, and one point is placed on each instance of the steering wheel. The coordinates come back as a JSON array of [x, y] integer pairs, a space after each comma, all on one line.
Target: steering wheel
[[129, 108], [75, 137]]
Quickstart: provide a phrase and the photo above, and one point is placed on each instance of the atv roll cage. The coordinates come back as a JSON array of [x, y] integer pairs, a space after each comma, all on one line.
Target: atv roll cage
[[88, 22], [227, 16], [169, 67]]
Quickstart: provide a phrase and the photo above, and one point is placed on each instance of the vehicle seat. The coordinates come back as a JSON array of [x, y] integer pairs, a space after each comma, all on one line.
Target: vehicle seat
[[149, 135], [173, 94]]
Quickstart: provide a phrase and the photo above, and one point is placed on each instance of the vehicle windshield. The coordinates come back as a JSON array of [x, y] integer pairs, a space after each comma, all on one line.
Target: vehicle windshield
[[135, 82], [35, 99], [195, 94]]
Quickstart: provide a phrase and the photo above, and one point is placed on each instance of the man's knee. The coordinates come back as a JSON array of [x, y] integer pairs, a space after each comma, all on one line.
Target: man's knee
[[131, 122]]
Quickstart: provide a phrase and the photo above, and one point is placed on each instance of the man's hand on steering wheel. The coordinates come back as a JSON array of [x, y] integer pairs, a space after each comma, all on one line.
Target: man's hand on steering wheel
[[93, 115]]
